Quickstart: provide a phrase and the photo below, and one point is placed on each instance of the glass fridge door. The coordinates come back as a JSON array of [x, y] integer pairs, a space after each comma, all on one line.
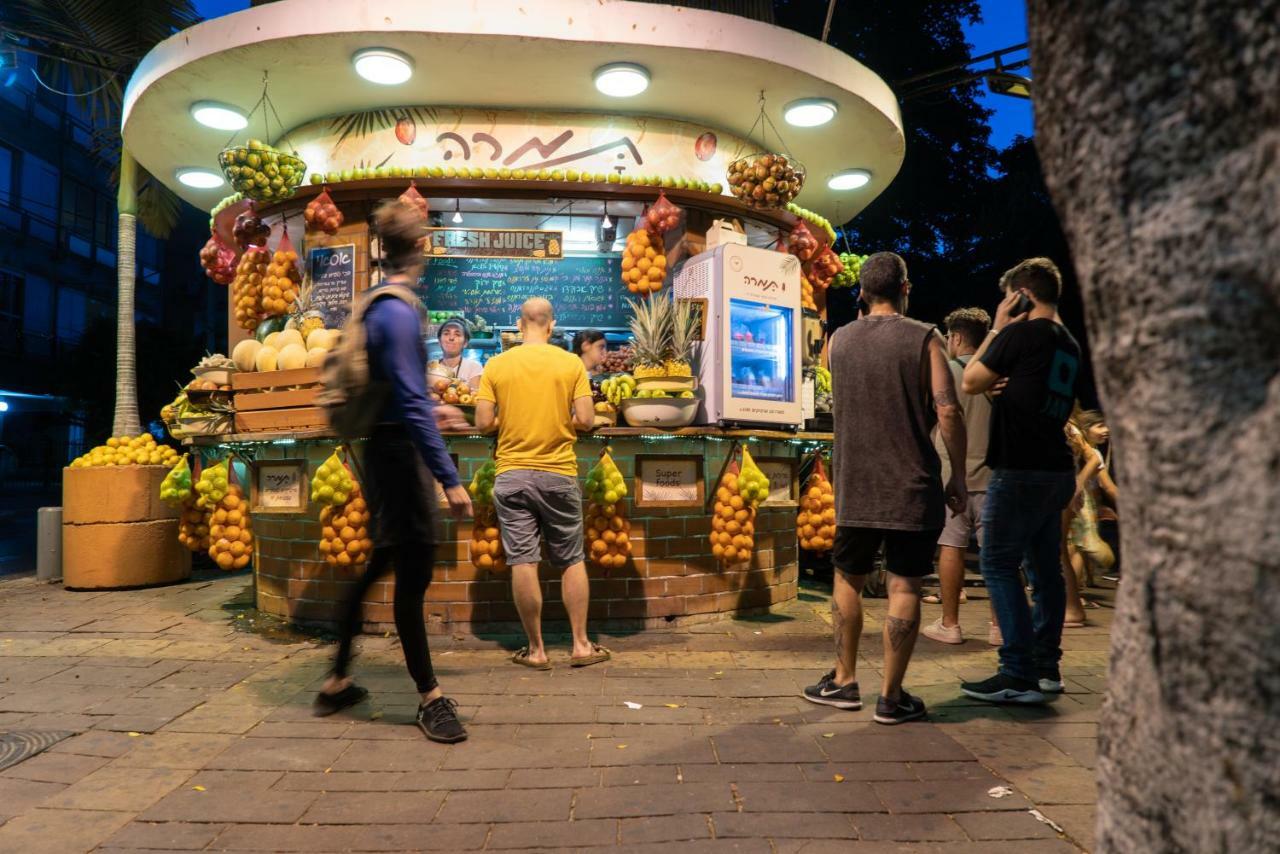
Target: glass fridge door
[[760, 351]]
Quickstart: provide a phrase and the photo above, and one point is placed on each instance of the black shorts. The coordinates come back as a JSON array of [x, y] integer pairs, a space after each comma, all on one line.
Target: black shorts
[[906, 553]]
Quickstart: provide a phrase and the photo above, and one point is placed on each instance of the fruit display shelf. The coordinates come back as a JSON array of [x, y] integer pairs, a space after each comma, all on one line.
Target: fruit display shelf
[[498, 188]]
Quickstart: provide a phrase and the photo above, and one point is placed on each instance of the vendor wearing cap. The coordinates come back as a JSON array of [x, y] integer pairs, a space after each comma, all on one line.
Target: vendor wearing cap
[[454, 338]]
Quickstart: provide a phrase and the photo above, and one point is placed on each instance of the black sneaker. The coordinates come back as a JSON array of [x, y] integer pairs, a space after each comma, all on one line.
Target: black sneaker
[[327, 704], [438, 721], [1003, 689], [905, 708], [1051, 681], [827, 693]]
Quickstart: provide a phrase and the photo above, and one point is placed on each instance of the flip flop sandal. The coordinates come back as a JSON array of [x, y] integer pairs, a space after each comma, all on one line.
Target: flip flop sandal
[[522, 658], [597, 655], [1075, 624], [328, 704]]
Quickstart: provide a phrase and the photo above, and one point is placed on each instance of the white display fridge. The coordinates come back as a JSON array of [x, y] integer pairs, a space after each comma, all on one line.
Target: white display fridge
[[749, 359]]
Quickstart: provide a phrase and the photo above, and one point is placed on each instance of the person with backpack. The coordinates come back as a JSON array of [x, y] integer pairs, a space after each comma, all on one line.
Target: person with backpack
[[375, 387]]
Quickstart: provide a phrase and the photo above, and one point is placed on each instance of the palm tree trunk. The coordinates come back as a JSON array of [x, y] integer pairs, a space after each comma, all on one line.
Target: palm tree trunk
[[1158, 126], [125, 422]]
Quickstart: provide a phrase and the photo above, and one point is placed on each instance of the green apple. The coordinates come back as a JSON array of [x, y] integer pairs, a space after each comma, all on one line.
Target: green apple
[[627, 179], [717, 188], [437, 172], [491, 173], [316, 178], [450, 172], [544, 174], [614, 178], [504, 172], [571, 175], [557, 175], [518, 174], [477, 172], [601, 178]]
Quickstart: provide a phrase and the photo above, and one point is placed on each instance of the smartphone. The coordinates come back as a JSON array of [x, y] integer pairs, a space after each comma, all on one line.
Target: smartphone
[[1023, 305]]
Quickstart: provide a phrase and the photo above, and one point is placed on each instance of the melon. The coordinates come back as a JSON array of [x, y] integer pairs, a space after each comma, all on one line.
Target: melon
[[287, 337], [315, 357], [245, 355], [292, 356], [272, 341], [266, 358], [322, 338]]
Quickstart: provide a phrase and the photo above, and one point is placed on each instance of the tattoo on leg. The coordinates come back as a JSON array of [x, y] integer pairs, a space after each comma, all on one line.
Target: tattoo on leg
[[838, 622], [899, 631]]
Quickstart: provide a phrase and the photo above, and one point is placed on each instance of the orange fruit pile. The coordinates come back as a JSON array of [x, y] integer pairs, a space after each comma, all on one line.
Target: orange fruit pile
[[486, 540], [230, 531], [733, 526], [806, 294], [344, 532], [608, 535], [644, 266], [816, 522], [193, 526], [281, 283], [246, 287]]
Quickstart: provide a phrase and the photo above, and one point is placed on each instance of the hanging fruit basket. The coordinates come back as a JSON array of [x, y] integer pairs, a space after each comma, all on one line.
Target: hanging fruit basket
[[765, 179], [258, 170]]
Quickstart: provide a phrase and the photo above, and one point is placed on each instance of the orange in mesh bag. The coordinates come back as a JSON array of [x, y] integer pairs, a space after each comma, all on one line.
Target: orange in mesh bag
[[322, 214], [662, 215], [282, 281], [823, 267]]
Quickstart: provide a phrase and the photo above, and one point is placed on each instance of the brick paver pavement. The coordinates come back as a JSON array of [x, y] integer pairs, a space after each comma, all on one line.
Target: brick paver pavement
[[194, 733]]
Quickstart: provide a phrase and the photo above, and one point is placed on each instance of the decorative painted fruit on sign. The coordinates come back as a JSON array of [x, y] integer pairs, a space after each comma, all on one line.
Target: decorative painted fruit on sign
[[406, 130], [705, 147]]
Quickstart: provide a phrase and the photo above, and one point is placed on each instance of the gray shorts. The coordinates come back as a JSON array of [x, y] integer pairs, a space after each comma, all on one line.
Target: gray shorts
[[536, 507], [961, 526]]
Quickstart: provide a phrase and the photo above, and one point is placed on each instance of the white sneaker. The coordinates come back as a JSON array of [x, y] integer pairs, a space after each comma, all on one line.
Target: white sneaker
[[943, 634], [994, 638]]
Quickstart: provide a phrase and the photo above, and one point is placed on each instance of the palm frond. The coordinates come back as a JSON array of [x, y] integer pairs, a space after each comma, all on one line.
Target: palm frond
[[159, 208], [363, 123]]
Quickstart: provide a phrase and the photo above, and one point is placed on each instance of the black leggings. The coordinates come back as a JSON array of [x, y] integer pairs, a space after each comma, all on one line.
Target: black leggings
[[413, 567]]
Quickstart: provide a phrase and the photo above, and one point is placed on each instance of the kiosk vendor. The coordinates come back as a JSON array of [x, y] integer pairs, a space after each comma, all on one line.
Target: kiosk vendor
[[454, 338]]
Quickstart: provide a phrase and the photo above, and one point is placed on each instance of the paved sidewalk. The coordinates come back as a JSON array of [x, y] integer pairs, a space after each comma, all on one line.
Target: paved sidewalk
[[194, 734]]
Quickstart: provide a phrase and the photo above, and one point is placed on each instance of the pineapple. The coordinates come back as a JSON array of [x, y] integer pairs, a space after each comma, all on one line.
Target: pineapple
[[651, 336], [684, 331], [304, 318]]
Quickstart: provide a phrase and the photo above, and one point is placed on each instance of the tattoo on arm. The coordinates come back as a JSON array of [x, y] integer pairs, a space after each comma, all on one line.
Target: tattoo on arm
[[900, 631], [946, 397]]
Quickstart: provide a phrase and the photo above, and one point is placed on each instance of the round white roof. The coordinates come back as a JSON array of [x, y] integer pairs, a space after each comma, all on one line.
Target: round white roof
[[705, 67]]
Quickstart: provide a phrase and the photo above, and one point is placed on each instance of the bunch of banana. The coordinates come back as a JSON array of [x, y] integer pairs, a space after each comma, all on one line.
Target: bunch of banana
[[618, 388]]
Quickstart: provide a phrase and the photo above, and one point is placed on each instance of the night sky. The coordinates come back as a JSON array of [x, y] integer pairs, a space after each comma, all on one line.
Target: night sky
[[1004, 24]]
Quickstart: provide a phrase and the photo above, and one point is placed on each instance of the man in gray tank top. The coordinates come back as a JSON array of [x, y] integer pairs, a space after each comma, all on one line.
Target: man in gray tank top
[[891, 384]]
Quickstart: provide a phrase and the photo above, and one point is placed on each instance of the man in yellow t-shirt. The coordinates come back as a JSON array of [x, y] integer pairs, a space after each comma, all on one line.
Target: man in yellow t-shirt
[[535, 388]]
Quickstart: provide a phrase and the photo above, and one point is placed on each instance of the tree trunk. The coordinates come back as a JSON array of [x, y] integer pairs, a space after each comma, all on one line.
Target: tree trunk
[[125, 422], [1158, 124]]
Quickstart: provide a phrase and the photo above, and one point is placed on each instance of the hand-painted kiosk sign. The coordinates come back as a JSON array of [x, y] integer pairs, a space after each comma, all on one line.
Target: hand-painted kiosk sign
[[494, 243]]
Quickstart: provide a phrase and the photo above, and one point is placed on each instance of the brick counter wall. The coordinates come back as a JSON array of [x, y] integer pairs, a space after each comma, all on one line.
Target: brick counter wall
[[670, 577]]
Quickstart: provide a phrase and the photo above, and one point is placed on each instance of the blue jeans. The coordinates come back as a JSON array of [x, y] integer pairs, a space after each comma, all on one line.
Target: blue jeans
[[1023, 519]]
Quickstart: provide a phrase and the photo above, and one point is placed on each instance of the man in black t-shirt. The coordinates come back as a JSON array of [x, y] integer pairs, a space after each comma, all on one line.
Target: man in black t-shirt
[[1030, 362]]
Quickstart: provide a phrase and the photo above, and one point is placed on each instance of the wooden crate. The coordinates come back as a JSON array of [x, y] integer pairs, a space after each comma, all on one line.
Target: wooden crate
[[277, 400]]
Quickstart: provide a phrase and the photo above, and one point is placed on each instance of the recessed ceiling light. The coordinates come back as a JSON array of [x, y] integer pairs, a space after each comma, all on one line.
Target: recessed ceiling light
[[383, 66], [622, 79], [199, 179], [211, 114], [849, 179], [809, 112]]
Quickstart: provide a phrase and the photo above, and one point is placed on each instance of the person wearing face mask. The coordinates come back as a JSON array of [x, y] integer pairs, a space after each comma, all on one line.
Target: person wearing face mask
[[590, 346], [454, 338]]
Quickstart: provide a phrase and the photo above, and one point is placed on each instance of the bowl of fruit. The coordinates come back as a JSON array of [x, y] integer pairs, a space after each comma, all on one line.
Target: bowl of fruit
[[261, 172], [662, 409]]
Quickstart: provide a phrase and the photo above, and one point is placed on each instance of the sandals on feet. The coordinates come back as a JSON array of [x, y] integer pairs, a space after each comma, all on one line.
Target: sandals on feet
[[522, 658], [598, 654]]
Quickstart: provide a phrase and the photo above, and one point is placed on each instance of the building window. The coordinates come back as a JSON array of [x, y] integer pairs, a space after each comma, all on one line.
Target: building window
[[40, 196], [7, 160], [10, 296], [72, 319]]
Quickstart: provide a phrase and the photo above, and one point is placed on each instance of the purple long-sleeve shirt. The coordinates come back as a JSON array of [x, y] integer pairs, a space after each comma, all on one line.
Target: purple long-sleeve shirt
[[393, 333]]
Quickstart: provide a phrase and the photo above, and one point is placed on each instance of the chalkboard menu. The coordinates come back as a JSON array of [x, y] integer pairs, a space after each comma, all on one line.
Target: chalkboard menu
[[585, 291], [333, 282]]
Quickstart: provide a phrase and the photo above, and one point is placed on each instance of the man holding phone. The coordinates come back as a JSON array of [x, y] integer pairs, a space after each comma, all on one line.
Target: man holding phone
[[1036, 360]]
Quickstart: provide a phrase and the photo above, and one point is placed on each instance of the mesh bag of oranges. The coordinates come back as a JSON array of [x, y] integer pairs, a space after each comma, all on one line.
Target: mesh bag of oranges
[[733, 526], [644, 262], [607, 530], [816, 522], [486, 538], [344, 531]]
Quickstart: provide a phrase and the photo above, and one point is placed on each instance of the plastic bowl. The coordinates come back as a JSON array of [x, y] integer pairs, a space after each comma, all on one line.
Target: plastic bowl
[[668, 413]]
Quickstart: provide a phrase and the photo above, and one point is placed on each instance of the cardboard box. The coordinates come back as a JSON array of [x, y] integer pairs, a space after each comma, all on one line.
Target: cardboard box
[[724, 232], [114, 494], [124, 554]]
